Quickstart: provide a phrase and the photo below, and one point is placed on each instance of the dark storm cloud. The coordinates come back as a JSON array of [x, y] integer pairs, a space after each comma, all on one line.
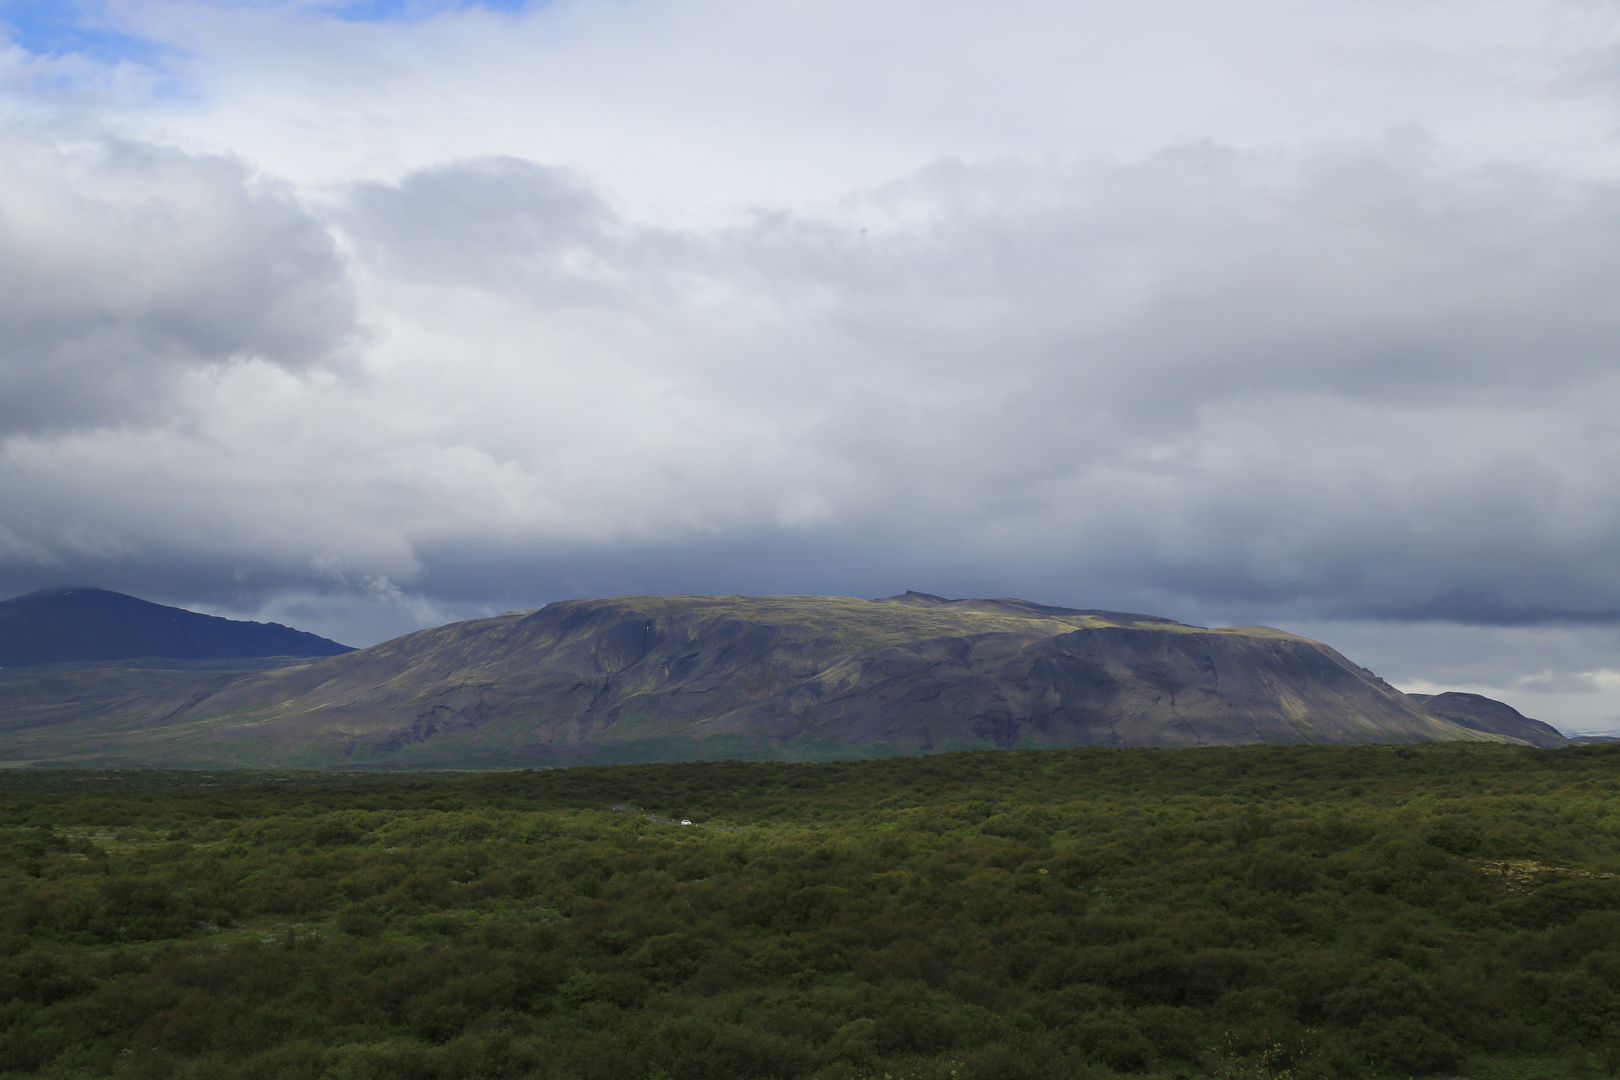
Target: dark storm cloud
[[124, 265]]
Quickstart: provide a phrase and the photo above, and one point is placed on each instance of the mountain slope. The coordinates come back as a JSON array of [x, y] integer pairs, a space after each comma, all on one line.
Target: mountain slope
[[1487, 714], [658, 678], [74, 625]]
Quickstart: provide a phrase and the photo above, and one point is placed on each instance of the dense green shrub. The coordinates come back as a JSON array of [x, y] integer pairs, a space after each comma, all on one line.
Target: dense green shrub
[[1255, 913]]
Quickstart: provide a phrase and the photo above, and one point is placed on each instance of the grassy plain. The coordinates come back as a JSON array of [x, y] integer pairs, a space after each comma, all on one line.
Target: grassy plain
[[1265, 912]]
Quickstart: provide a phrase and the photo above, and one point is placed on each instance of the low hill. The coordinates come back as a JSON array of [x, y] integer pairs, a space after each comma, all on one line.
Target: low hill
[[1487, 714], [77, 625], [798, 677]]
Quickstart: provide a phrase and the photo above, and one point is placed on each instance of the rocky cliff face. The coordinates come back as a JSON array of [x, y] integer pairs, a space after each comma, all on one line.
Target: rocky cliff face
[[658, 678]]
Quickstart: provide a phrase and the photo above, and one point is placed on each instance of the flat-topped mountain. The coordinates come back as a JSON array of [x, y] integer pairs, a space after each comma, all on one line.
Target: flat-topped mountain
[[797, 677], [84, 625]]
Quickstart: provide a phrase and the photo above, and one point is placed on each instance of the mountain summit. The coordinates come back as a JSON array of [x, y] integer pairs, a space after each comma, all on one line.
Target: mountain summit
[[76, 624], [659, 678]]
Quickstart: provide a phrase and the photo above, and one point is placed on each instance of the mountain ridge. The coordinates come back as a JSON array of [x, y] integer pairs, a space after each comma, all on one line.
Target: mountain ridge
[[800, 678], [1487, 714], [76, 624]]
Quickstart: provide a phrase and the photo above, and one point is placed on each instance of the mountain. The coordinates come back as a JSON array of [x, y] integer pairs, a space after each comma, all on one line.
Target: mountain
[[78, 625], [798, 677], [1487, 714]]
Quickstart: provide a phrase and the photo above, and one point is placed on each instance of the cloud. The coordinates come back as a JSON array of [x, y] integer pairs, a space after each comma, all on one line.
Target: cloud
[[1572, 682], [1360, 380], [1198, 381], [698, 106], [502, 224], [124, 265]]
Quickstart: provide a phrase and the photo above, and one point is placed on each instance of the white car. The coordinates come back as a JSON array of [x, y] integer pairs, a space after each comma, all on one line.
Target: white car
[[686, 821]]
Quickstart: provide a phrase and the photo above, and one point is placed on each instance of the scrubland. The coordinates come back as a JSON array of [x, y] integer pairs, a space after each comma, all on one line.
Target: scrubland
[[1265, 912]]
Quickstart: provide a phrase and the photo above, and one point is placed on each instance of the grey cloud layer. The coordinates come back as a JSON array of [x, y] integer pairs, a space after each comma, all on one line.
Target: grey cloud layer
[[1358, 381], [124, 265]]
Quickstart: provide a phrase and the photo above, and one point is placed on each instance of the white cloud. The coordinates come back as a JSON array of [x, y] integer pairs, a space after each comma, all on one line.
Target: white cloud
[[684, 106], [123, 265], [1603, 680]]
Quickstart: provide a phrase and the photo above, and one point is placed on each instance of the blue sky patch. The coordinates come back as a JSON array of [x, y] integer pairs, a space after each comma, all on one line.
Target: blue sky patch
[[64, 27], [58, 28], [410, 10]]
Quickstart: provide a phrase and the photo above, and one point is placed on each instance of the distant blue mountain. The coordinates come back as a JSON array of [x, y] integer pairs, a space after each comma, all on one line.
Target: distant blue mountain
[[67, 625]]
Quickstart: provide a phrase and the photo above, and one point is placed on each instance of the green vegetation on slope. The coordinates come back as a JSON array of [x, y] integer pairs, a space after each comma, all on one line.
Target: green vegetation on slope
[[1262, 911]]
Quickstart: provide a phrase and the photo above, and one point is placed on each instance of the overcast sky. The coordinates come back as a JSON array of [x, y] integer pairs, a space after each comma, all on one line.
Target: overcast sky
[[365, 317]]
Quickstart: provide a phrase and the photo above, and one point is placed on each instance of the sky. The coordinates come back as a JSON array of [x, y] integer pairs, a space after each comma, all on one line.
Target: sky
[[364, 317]]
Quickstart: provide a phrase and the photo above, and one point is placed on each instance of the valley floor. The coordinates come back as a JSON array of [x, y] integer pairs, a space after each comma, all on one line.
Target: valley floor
[[1275, 913]]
